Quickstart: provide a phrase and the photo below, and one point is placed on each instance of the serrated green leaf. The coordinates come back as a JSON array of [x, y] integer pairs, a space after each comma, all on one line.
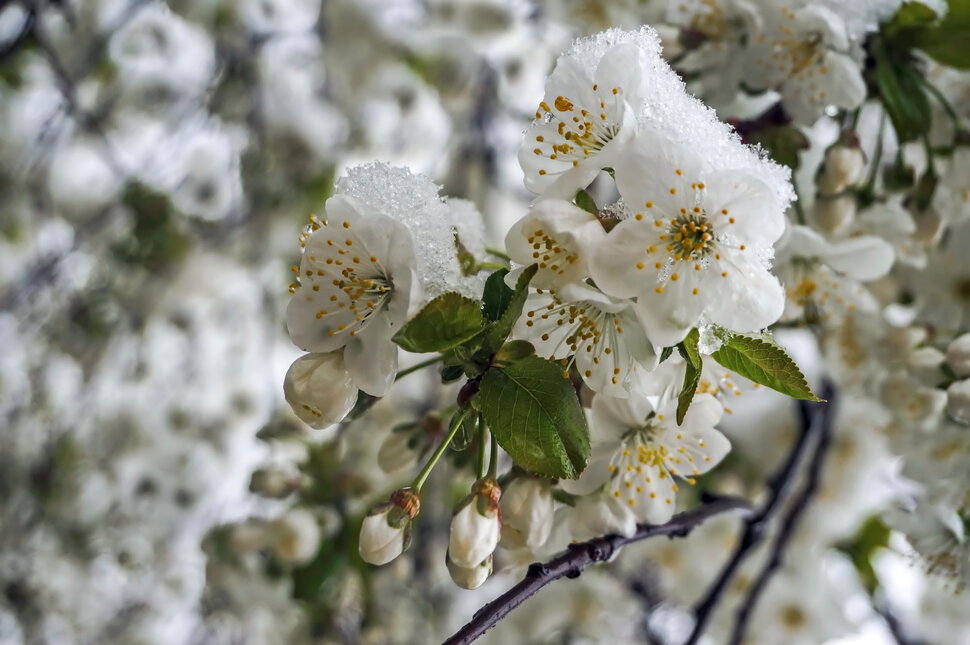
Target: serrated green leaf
[[496, 295], [535, 415], [764, 363], [665, 353], [585, 201], [692, 374], [445, 322], [494, 335]]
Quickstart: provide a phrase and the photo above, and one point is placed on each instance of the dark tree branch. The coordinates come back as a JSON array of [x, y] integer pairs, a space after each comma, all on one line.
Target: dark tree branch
[[822, 427], [755, 528], [579, 556]]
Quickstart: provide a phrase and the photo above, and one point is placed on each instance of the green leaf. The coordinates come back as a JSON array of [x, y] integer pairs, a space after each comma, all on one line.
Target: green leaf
[[585, 201], [494, 335], [902, 93], [514, 350], [535, 415], [445, 322], [451, 373], [947, 41], [764, 363], [496, 295], [871, 536], [665, 353], [692, 375], [783, 143], [911, 16]]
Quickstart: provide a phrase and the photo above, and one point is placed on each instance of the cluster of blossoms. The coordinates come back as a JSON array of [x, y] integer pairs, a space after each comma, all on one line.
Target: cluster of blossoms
[[158, 156]]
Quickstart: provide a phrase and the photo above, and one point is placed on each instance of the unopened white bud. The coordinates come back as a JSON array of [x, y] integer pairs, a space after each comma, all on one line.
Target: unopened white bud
[[835, 214], [528, 512], [925, 365], [386, 531], [958, 400], [319, 388], [844, 167], [476, 525], [470, 577], [275, 483], [296, 536], [958, 355]]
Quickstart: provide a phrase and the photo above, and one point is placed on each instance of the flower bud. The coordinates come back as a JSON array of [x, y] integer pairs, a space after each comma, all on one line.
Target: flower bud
[[925, 364], [958, 400], [835, 214], [476, 525], [386, 531], [470, 577], [528, 511], [958, 355], [296, 536], [319, 389], [843, 167]]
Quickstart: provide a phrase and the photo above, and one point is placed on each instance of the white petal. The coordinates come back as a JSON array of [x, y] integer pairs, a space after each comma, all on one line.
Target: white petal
[[319, 389]]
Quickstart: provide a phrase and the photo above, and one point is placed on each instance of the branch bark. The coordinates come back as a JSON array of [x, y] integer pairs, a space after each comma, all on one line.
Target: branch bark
[[814, 417], [579, 556]]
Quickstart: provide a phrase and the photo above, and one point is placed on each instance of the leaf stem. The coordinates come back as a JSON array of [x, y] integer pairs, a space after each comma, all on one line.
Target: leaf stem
[[491, 266], [415, 368], [497, 253], [440, 450], [482, 431], [493, 458]]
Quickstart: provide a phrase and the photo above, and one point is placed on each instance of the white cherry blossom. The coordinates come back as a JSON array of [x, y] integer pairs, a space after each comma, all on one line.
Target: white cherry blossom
[[697, 246], [584, 121], [354, 291], [602, 336]]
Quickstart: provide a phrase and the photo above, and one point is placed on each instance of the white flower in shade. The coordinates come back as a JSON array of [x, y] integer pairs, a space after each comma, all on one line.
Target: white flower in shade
[[319, 388], [557, 236], [952, 196], [476, 525], [958, 400], [386, 531], [697, 244], [822, 277], [804, 54], [638, 450], [296, 536], [598, 514], [580, 325], [528, 512], [354, 291], [958, 355], [584, 121]]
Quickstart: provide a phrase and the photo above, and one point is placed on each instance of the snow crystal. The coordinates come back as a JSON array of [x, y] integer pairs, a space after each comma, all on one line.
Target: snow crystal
[[412, 200], [682, 117]]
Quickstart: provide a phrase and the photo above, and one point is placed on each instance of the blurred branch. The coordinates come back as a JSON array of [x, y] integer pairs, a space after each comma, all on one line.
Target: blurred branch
[[822, 427], [579, 556], [779, 485]]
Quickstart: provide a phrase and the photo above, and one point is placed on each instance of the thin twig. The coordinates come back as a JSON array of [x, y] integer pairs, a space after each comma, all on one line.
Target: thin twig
[[579, 556], [822, 424], [756, 526]]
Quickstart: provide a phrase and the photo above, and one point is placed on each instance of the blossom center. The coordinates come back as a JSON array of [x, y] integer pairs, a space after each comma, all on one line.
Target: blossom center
[[581, 131], [691, 236], [549, 254]]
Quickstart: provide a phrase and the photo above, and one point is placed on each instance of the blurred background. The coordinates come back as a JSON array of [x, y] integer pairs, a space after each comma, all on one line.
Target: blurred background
[[157, 164]]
